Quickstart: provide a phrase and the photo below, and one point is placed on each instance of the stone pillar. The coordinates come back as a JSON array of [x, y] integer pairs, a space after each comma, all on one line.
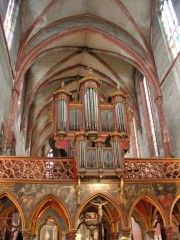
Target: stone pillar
[[151, 234], [164, 129], [32, 236], [25, 234], [12, 111], [168, 231], [115, 236], [71, 235], [126, 232], [146, 118]]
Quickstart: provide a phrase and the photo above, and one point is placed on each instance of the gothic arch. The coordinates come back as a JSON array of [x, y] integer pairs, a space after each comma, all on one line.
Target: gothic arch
[[152, 199], [15, 202], [55, 204], [172, 207], [105, 196], [136, 57]]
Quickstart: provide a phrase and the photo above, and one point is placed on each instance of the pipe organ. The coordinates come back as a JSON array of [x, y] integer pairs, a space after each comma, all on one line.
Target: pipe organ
[[90, 99], [95, 133]]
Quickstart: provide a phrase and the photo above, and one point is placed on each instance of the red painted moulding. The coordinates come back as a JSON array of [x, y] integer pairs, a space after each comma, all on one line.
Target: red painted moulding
[[32, 124], [131, 19], [25, 44], [35, 152], [34, 24], [137, 58], [36, 51], [39, 85]]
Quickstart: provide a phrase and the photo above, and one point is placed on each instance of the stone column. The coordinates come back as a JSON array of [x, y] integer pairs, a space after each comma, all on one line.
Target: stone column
[[71, 235], [25, 234], [115, 236], [126, 232], [168, 231], [164, 129], [32, 236], [146, 118], [151, 234]]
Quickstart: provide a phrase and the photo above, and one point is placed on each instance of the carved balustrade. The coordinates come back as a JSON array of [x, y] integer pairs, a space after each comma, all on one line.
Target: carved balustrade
[[151, 169], [59, 169], [23, 168]]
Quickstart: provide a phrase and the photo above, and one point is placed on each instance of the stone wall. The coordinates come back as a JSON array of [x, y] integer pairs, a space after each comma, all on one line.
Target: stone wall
[[6, 80], [169, 81]]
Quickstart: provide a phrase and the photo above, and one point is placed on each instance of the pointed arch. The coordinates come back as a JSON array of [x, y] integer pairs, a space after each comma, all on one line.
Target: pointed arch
[[105, 196], [153, 200], [172, 207], [15, 202], [56, 203]]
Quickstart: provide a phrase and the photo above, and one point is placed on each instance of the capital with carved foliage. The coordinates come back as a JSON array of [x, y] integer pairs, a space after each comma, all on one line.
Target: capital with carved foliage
[[115, 236], [126, 231], [26, 234], [71, 234]]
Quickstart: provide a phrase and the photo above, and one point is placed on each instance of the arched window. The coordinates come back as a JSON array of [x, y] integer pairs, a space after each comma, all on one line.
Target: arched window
[[10, 20], [170, 25]]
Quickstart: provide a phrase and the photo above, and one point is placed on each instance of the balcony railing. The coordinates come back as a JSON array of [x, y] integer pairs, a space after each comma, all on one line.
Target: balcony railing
[[65, 170], [29, 168], [151, 169]]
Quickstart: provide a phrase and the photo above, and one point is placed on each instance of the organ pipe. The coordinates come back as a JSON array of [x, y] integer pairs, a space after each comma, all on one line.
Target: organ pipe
[[62, 98], [90, 91], [119, 100]]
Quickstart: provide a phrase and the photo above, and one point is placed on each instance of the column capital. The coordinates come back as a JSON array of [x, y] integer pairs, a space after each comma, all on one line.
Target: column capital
[[115, 236], [71, 234], [151, 233], [25, 233], [126, 231], [168, 231]]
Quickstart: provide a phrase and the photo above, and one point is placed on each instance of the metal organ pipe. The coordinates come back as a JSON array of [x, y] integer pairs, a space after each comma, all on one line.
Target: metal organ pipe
[[117, 117], [91, 109], [116, 153], [120, 119], [65, 115], [96, 111], [82, 154]]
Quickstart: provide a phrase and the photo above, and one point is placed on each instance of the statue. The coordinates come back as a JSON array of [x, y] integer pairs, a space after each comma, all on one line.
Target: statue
[[100, 203], [46, 235]]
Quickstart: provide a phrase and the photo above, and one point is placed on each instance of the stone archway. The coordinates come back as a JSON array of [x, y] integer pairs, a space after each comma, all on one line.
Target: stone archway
[[50, 210], [146, 217], [11, 218], [98, 218]]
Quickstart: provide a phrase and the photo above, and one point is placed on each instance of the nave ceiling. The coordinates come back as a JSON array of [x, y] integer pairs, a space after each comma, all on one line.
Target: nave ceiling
[[61, 38]]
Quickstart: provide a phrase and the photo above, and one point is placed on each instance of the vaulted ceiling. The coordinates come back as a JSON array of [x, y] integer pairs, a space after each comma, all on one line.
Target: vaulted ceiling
[[61, 38]]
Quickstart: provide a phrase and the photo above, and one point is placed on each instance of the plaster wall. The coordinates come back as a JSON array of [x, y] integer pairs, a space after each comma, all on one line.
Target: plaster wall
[[6, 81], [7, 66], [16, 36], [3, 9], [169, 81]]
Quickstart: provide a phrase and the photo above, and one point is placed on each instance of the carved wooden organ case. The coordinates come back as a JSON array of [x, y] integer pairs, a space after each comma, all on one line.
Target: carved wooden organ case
[[95, 134]]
